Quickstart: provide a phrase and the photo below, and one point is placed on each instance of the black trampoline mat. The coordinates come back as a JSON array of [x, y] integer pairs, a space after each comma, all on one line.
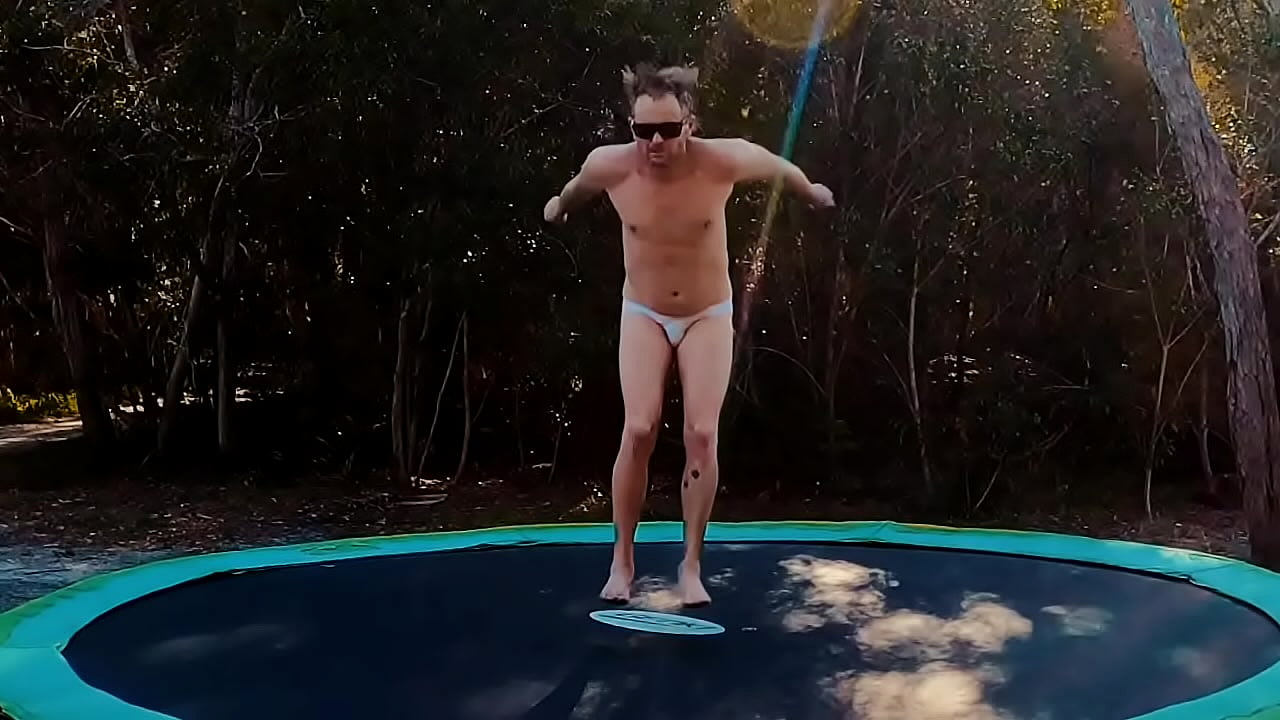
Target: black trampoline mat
[[812, 631]]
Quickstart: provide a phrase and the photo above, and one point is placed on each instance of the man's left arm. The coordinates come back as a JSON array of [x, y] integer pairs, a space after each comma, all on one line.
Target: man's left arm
[[751, 162]]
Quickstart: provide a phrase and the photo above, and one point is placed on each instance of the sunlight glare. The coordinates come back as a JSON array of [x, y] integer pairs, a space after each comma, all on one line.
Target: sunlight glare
[[938, 691], [789, 23]]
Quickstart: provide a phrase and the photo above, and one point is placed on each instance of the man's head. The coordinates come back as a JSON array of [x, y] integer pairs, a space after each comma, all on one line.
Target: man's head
[[662, 116]]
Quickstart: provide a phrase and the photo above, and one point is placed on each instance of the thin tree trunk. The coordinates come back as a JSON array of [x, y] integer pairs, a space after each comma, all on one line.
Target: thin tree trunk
[[435, 418], [1157, 424], [834, 346], [916, 412], [181, 361], [519, 432], [466, 402], [420, 318], [69, 316], [400, 441], [122, 17], [199, 287], [226, 392], [555, 450], [1255, 417], [1206, 463]]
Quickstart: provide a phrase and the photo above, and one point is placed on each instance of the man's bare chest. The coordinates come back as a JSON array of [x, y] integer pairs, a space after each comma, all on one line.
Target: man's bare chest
[[669, 212]]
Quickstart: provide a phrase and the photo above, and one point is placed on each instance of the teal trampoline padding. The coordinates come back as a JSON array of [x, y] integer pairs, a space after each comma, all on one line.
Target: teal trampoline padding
[[36, 683]]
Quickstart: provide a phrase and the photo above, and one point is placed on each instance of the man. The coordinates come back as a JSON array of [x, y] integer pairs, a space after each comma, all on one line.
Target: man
[[669, 189]]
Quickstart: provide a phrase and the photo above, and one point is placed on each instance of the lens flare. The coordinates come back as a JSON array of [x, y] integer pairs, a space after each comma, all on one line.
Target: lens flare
[[820, 20], [790, 23]]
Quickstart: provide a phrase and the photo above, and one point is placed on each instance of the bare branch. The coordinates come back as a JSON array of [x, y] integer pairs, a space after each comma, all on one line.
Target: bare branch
[[798, 364], [16, 228], [1271, 229], [68, 48], [542, 111], [16, 298], [426, 446]]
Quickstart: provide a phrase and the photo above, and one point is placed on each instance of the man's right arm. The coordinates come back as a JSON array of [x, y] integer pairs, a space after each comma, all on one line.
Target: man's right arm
[[599, 171]]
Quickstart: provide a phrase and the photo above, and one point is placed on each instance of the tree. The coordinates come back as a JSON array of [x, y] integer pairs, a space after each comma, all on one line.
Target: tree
[[1255, 417]]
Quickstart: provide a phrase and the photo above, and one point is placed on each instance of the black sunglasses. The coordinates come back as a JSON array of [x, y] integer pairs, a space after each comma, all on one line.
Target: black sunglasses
[[668, 130]]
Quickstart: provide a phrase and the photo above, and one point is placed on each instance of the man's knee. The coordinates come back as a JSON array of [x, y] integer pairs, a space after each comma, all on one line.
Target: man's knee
[[639, 434], [700, 438]]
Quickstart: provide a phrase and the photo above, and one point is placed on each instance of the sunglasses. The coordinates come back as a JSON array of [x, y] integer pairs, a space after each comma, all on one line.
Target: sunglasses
[[668, 130]]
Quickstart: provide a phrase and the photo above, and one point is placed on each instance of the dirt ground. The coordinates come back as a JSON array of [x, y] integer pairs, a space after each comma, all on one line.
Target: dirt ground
[[206, 517], [15, 438], [52, 537]]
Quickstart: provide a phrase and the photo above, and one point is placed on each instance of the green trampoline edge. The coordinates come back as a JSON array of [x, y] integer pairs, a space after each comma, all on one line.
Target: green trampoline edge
[[36, 683]]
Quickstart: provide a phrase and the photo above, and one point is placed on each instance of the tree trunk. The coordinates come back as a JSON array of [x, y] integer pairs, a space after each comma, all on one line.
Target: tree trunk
[[1255, 418], [466, 402], [401, 443], [516, 418], [226, 392], [1202, 435], [122, 17], [69, 316], [917, 412], [178, 371], [435, 418]]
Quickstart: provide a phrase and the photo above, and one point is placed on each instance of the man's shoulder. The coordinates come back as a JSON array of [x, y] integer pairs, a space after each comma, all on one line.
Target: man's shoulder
[[721, 154], [610, 162], [615, 154], [722, 143]]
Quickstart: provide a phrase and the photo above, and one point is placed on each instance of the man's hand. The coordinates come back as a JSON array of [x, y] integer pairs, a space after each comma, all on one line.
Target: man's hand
[[820, 196], [552, 213]]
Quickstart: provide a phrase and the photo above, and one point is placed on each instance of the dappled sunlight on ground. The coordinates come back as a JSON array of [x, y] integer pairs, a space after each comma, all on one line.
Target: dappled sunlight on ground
[[1193, 662], [1080, 621], [936, 691], [985, 627], [656, 594], [598, 700], [721, 579], [193, 648], [510, 699], [23, 436], [953, 658], [831, 591]]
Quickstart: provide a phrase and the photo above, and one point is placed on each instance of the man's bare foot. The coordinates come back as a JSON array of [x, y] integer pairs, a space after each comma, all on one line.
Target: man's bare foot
[[618, 588], [689, 587]]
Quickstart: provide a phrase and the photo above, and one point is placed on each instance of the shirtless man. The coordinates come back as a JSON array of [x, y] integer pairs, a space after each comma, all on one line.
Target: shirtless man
[[669, 190]]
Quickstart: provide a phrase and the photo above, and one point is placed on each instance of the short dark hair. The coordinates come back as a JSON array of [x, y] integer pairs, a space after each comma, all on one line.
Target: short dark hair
[[678, 80]]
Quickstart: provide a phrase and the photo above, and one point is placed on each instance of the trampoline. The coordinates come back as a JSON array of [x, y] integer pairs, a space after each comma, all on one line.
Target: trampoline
[[866, 621]]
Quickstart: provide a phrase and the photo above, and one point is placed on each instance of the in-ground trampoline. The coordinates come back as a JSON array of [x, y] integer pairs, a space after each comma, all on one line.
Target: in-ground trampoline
[[873, 621]]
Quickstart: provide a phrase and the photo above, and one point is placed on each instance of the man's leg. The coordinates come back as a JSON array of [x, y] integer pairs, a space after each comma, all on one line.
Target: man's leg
[[644, 358], [705, 358]]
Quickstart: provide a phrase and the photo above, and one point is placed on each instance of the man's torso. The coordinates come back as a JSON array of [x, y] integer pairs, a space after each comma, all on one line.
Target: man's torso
[[674, 241]]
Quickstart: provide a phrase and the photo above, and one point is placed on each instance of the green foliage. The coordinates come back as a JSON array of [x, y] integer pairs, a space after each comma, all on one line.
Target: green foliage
[[16, 408], [996, 164]]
